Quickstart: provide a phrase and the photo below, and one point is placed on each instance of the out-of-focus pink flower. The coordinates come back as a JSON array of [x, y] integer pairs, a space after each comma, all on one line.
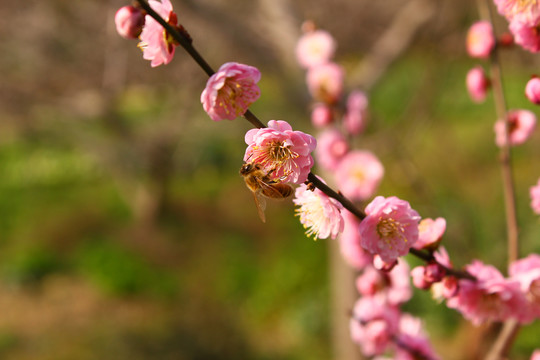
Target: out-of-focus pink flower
[[430, 233], [349, 242], [394, 285], [425, 276], [478, 84], [320, 214], [321, 115], [490, 298], [129, 21], [418, 278], [156, 43], [390, 228], [358, 174], [315, 48], [526, 35], [412, 341], [525, 11], [230, 91], [325, 82], [374, 324], [447, 288], [527, 272], [356, 116], [285, 154], [331, 147], [534, 192], [521, 124], [536, 355], [480, 40], [532, 90]]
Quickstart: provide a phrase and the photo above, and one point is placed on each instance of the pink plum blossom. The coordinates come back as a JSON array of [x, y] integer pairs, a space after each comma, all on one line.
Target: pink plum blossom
[[448, 286], [425, 276], [390, 228], [526, 35], [349, 241], [325, 82], [285, 154], [230, 91], [532, 90], [320, 214], [521, 124], [418, 278], [535, 355], [412, 341], [321, 115], [478, 84], [480, 40], [430, 233], [527, 272], [394, 285], [358, 174], [315, 48], [356, 116], [129, 21], [331, 147], [527, 11], [534, 192], [156, 43], [374, 324], [490, 298]]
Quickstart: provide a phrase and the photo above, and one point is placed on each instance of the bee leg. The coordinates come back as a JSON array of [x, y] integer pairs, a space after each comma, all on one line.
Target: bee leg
[[310, 185]]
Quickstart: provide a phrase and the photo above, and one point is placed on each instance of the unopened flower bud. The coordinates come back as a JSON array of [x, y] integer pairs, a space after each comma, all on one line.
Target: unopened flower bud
[[129, 21], [532, 90], [480, 40], [321, 115], [477, 84], [506, 39]]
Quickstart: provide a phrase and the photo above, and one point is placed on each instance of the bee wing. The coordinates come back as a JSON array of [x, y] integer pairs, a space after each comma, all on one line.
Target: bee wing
[[260, 202]]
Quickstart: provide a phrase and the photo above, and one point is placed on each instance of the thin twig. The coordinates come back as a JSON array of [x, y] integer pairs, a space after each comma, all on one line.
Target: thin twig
[[505, 339]]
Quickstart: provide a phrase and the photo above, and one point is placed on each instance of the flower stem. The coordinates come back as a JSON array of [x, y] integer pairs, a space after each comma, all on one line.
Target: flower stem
[[505, 156], [505, 339]]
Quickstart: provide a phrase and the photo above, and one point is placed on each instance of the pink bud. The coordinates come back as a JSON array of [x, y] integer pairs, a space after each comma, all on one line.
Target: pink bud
[[532, 90], [480, 40], [321, 115], [477, 84], [129, 22]]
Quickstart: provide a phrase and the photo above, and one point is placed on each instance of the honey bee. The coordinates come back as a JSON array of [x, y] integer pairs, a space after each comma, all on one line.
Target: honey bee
[[262, 186]]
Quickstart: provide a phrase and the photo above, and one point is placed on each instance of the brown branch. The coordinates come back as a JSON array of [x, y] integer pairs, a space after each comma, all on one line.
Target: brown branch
[[505, 339]]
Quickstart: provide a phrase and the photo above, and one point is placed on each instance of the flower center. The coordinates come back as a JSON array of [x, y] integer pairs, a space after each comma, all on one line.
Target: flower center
[[280, 153], [389, 228]]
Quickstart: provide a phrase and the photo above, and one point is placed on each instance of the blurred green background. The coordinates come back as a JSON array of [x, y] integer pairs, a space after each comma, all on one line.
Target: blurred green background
[[125, 229]]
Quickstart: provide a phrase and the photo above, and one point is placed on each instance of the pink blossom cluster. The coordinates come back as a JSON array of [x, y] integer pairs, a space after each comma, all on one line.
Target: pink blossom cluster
[[480, 43], [488, 296], [358, 173], [156, 43], [378, 325]]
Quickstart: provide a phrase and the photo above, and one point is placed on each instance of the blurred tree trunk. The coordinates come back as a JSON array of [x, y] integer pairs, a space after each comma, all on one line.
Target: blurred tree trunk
[[343, 295]]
